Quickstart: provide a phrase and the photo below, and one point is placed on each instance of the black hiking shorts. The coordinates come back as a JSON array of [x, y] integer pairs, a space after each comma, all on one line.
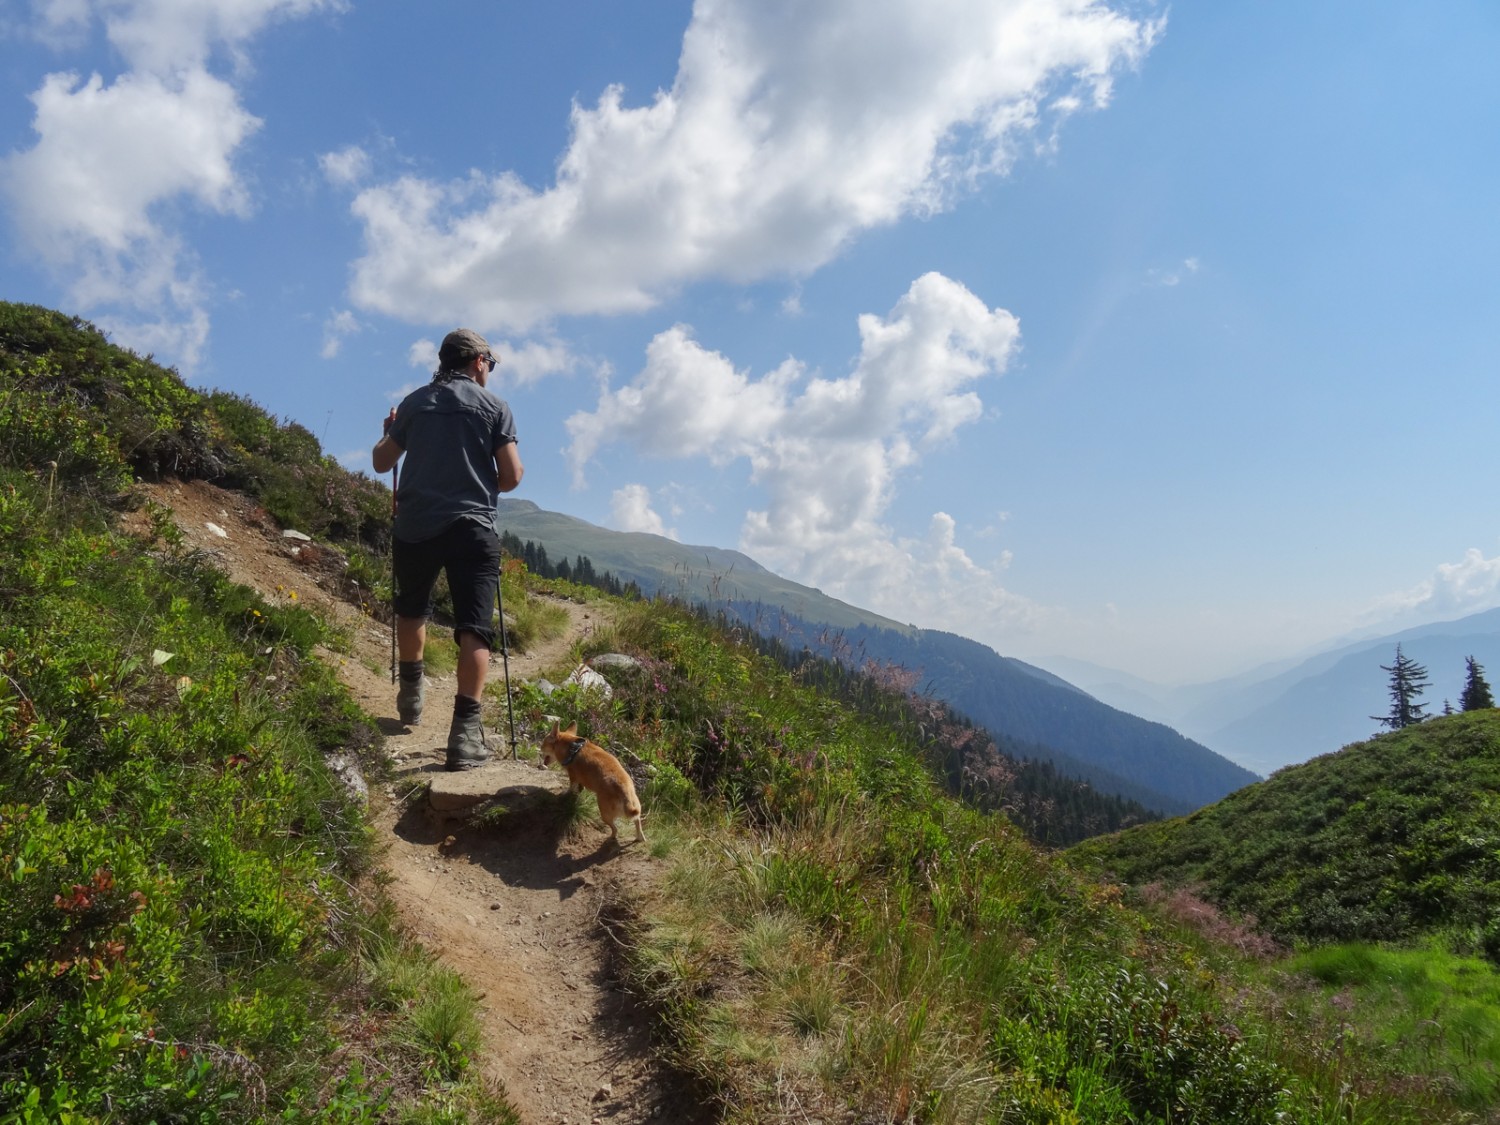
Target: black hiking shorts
[[469, 553]]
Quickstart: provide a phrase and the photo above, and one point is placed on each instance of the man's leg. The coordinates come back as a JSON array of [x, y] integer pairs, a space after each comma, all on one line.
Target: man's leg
[[473, 665], [411, 638], [467, 746], [416, 570], [473, 577], [411, 643]]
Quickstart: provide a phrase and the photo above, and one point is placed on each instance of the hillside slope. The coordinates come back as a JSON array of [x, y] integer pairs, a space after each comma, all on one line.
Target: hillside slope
[[1115, 752], [1173, 773], [1384, 840], [659, 565]]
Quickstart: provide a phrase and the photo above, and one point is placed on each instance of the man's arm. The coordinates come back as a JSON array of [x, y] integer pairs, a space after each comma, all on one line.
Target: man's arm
[[508, 468], [385, 455], [386, 452]]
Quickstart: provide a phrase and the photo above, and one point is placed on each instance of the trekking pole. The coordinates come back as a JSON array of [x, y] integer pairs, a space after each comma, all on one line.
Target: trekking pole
[[393, 573], [505, 659]]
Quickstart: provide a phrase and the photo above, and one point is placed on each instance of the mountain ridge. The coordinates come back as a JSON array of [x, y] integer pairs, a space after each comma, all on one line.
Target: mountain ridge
[[1315, 705], [1115, 751]]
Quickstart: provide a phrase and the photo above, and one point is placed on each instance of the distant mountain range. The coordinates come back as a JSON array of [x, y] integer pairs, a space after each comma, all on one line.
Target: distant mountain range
[[1287, 713], [1114, 751]]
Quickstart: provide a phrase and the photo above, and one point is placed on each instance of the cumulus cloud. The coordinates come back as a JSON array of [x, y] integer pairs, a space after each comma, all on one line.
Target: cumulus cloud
[[630, 510], [61, 23], [828, 453], [1468, 586], [790, 128], [346, 167], [423, 353], [163, 36], [111, 157], [532, 360], [336, 328]]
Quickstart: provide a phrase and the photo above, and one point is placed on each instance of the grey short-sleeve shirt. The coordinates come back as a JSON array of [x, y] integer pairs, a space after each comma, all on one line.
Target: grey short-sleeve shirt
[[450, 432]]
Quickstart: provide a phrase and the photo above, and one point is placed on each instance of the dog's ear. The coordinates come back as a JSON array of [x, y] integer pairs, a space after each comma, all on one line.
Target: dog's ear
[[556, 729], [572, 729]]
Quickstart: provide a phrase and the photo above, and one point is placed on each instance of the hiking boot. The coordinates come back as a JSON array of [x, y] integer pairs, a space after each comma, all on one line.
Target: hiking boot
[[467, 747], [409, 701]]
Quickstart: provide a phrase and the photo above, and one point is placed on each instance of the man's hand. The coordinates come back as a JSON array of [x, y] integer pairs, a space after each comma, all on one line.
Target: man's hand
[[389, 418]]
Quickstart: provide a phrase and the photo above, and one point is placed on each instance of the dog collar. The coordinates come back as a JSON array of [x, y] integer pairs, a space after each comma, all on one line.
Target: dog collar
[[573, 753]]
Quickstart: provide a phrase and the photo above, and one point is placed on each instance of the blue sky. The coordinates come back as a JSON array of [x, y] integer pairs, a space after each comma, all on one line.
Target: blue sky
[[1161, 338]]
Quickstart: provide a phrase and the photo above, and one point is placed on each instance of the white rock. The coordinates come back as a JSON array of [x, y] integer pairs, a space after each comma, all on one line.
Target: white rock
[[590, 680], [346, 769], [217, 530]]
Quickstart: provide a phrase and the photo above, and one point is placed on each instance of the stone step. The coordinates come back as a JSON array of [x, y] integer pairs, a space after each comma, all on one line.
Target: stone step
[[506, 778]]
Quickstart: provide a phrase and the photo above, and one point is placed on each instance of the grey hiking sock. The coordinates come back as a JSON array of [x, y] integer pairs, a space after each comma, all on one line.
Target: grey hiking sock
[[410, 693]]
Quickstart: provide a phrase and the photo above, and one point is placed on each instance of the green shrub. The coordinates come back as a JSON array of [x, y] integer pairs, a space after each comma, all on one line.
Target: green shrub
[[171, 841]]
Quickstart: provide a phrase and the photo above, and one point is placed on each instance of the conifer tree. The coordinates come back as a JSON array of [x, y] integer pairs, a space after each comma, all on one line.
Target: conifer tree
[[1408, 678], [1476, 696]]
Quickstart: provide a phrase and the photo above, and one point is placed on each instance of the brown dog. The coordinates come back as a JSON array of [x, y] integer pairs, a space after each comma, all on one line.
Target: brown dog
[[594, 768]]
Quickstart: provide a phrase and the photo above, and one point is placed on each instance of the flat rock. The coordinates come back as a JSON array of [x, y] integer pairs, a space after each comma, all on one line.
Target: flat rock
[[498, 777], [616, 660]]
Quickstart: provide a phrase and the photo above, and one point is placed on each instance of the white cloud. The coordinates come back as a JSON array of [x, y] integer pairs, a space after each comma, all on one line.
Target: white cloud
[[828, 452], [90, 198], [790, 128], [165, 36], [338, 326], [107, 157], [1454, 589], [181, 333], [630, 510], [346, 167], [532, 360], [1174, 276], [424, 354], [61, 23]]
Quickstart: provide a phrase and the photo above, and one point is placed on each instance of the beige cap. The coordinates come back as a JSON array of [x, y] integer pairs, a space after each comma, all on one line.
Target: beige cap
[[460, 346]]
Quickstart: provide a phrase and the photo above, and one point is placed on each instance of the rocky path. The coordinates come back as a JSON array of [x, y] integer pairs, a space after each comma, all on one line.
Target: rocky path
[[514, 903]]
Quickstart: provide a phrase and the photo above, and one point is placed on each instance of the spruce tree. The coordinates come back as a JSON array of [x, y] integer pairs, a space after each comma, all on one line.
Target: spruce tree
[[1476, 696], [1408, 678]]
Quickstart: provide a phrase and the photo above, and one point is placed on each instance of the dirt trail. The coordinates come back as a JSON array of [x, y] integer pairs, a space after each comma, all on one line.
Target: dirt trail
[[515, 909]]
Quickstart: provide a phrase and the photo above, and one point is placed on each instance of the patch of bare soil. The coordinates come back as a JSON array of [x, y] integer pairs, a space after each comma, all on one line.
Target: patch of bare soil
[[516, 907]]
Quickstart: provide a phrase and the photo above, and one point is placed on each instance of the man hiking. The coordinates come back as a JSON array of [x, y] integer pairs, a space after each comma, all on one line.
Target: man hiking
[[460, 445]]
